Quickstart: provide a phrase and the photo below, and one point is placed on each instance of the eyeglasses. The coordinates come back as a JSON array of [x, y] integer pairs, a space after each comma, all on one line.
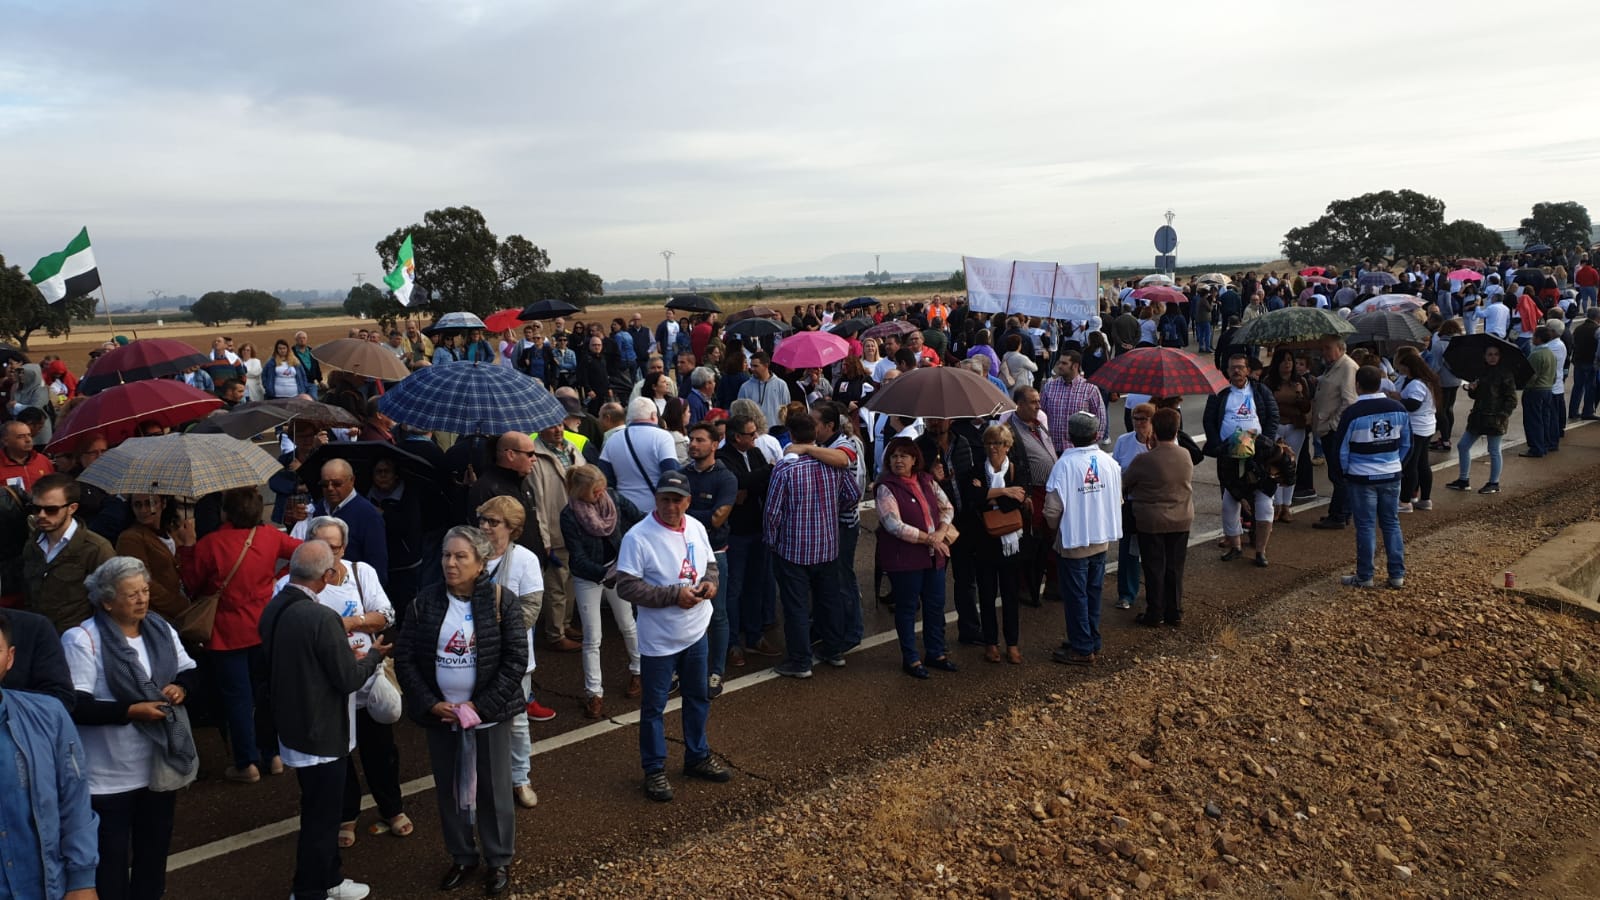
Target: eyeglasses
[[750, 434], [34, 509], [490, 522], [334, 482]]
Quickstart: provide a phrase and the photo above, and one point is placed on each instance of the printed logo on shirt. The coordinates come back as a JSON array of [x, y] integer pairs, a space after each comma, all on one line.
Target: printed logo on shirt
[[1091, 478], [460, 645], [687, 572], [1382, 429]]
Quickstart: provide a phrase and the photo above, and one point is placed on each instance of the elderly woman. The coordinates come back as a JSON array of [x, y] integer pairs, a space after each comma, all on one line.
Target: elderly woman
[[463, 653], [994, 485], [238, 562], [1159, 485], [765, 442], [355, 592], [914, 538], [131, 675], [516, 571], [1127, 447], [592, 525], [153, 539], [401, 505]]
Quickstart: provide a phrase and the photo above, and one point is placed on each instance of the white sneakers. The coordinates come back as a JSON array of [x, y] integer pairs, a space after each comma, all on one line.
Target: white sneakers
[[346, 890]]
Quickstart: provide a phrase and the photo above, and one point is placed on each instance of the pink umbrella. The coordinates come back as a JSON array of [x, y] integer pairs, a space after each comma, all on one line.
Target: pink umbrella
[[1161, 294], [810, 350], [1313, 270], [1465, 275]]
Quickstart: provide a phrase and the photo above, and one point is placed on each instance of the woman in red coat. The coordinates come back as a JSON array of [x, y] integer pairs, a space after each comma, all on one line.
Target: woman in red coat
[[240, 560]]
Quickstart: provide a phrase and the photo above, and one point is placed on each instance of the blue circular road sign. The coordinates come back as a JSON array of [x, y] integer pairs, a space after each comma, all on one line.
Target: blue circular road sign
[[1166, 239]]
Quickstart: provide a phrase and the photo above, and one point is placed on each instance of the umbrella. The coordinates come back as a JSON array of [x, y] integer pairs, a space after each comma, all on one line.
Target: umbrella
[[1391, 326], [417, 473], [362, 358], [1388, 302], [1159, 372], [755, 312], [1161, 294], [504, 320], [1318, 279], [117, 411], [319, 415], [895, 327], [243, 425], [1465, 275], [693, 303], [140, 360], [1291, 325], [453, 320], [1157, 278], [1471, 263], [1529, 275], [755, 328], [861, 303], [1537, 248], [472, 398], [547, 309], [1314, 270], [181, 465], [1377, 279], [850, 326], [944, 392], [1464, 356], [810, 350], [9, 354], [1216, 278]]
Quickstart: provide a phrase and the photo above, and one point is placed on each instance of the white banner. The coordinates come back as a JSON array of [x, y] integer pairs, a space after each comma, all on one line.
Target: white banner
[[988, 283], [1042, 290], [1077, 292], [1032, 288]]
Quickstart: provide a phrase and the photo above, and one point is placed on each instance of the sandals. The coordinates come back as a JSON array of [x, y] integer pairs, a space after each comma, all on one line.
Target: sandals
[[400, 826], [347, 835]]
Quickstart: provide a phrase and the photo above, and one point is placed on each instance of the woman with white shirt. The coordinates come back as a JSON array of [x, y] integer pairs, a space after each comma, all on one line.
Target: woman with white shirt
[[1420, 394], [516, 570], [355, 593], [283, 376], [250, 369], [129, 726]]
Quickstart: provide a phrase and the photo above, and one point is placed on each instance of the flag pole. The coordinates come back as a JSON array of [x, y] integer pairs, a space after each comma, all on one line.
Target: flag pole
[[107, 300]]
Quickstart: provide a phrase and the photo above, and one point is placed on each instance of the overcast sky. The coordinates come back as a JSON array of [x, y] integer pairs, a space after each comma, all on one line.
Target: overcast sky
[[217, 145]]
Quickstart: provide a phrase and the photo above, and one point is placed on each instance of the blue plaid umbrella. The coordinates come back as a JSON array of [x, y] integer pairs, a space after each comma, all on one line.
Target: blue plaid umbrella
[[471, 398], [1377, 278]]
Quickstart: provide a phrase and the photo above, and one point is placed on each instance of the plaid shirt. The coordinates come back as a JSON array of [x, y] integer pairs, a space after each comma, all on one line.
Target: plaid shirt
[[1061, 398], [804, 503]]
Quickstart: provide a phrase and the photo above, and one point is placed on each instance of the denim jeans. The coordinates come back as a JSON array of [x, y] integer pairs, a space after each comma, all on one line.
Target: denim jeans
[[251, 734], [1377, 506], [746, 572], [1202, 335], [1082, 580], [655, 675], [590, 597], [1464, 455], [521, 739], [717, 632], [850, 585], [919, 590], [1128, 568], [810, 592], [1587, 297]]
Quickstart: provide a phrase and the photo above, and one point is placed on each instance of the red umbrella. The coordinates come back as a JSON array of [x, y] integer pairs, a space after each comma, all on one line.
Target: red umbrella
[[1314, 270], [1318, 279], [140, 360], [1160, 293], [1159, 372], [117, 412], [504, 320], [810, 350]]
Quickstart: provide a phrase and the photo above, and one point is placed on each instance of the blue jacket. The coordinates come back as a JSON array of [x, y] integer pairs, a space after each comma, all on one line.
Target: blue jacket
[[58, 789], [369, 536], [1374, 437]]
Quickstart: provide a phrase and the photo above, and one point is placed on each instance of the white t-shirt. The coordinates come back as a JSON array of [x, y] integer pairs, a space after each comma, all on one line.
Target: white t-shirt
[[651, 445], [1239, 412], [881, 368], [522, 577], [455, 657], [350, 599], [118, 755], [284, 383], [662, 557], [1560, 350], [1424, 420]]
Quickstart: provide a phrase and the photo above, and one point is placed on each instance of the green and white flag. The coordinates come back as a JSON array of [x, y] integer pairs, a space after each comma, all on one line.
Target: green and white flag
[[70, 273], [404, 276]]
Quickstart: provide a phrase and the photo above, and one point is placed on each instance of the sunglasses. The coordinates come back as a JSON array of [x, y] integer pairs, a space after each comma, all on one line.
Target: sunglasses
[[33, 509], [490, 522], [527, 453]]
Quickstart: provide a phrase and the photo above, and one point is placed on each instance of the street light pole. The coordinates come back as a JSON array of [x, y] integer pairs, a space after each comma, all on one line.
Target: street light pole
[[667, 255]]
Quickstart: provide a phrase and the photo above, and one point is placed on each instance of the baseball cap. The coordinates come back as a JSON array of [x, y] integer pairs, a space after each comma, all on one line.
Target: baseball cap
[[673, 483]]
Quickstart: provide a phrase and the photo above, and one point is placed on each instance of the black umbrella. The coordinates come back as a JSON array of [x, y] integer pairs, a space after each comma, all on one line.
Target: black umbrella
[[1464, 356], [547, 309], [850, 326], [9, 354], [242, 425], [757, 328], [1391, 326], [1529, 275], [861, 303], [417, 473], [693, 303]]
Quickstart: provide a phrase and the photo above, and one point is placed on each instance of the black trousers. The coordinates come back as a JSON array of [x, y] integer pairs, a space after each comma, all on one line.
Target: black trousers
[[1002, 574], [317, 866], [963, 571], [1161, 556], [380, 759], [142, 848]]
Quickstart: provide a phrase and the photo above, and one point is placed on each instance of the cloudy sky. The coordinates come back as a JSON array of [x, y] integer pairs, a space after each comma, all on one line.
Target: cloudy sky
[[211, 148]]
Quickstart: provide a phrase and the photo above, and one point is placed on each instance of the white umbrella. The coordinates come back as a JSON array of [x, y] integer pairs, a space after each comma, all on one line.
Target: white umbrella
[[1155, 279]]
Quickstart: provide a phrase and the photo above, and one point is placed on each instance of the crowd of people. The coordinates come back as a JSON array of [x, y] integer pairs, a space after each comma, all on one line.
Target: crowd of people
[[713, 501]]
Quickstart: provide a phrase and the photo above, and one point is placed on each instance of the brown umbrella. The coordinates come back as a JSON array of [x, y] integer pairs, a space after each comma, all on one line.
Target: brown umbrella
[[321, 415], [754, 312], [943, 392], [362, 358]]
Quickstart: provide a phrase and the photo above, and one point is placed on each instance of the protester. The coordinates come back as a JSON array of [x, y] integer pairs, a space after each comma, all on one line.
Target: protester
[[1494, 398], [915, 533], [1069, 393], [153, 539], [635, 459], [55, 563], [20, 464], [1336, 390], [996, 487], [1374, 439], [1292, 391], [1159, 487], [1241, 423], [1540, 405], [713, 489], [746, 580], [1083, 505], [553, 454], [592, 524], [1124, 451], [1421, 396]]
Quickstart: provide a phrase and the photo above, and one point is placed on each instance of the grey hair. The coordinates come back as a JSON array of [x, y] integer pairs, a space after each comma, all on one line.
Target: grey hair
[[102, 582], [475, 538], [977, 365], [321, 522], [642, 409], [310, 561], [744, 406], [702, 376]]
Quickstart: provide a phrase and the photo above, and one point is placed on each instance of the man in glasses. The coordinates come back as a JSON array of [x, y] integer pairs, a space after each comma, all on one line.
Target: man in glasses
[[508, 477], [369, 537], [55, 563], [747, 559]]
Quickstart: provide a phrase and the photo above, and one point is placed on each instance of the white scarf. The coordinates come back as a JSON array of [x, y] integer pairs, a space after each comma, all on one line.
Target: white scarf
[[1010, 543]]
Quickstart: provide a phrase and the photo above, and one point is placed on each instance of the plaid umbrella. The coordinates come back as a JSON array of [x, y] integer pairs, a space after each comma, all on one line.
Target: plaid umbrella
[[116, 412], [140, 360], [1376, 279], [943, 392], [1392, 326], [363, 358], [1465, 355], [1291, 325], [896, 327], [1159, 372], [181, 465], [693, 303], [320, 415], [472, 398], [753, 327], [547, 309], [810, 350]]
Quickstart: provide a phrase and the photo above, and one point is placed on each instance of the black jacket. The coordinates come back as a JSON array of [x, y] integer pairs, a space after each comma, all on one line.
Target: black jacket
[[502, 654], [496, 481], [40, 666], [1266, 411], [589, 556], [311, 672], [754, 474]]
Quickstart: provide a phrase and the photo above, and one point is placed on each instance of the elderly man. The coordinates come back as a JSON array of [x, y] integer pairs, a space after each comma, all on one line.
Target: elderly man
[[508, 476], [1374, 436], [635, 458], [702, 386], [666, 569], [1336, 390], [553, 455], [20, 464], [369, 537], [62, 555], [1083, 506], [314, 678], [926, 356], [765, 390], [1069, 393]]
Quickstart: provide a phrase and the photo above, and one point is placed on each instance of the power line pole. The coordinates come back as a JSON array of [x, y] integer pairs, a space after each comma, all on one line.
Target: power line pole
[[360, 276], [667, 255]]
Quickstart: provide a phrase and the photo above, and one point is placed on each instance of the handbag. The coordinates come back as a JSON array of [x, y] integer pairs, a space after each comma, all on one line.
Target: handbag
[[196, 623], [999, 523], [381, 696]]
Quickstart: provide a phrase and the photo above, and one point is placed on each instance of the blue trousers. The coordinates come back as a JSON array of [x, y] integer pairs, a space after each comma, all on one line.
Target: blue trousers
[[1128, 568], [1082, 581], [850, 585], [251, 733], [655, 677], [745, 578], [1377, 506], [919, 590], [717, 633]]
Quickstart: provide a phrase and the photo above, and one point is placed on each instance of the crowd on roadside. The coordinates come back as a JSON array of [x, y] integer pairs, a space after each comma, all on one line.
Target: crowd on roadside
[[707, 497]]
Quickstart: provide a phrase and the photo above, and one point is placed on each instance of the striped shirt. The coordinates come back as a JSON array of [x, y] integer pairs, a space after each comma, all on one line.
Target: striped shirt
[[804, 503], [1061, 398]]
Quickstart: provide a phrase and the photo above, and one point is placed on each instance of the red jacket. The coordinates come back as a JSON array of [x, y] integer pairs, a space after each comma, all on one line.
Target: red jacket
[[34, 468], [205, 565], [1586, 276]]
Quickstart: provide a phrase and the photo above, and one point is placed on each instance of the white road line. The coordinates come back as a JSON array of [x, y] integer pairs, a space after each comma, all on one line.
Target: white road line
[[246, 839]]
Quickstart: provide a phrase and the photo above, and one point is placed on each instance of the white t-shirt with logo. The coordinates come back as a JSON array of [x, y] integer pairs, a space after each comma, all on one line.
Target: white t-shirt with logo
[[664, 557], [455, 657], [1239, 412]]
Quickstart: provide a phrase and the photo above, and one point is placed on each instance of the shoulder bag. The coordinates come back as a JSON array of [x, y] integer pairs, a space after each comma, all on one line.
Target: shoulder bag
[[196, 623]]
